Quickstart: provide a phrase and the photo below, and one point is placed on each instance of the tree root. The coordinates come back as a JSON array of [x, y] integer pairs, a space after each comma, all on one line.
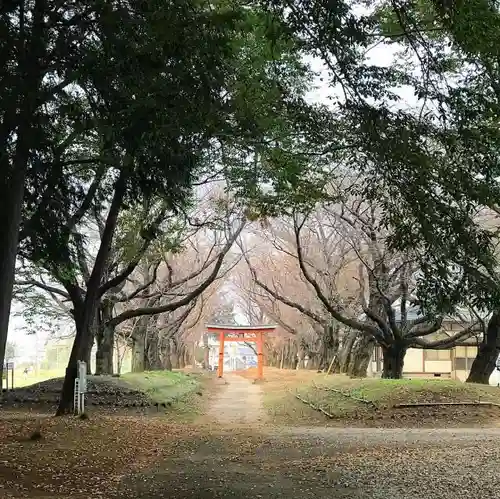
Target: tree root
[[340, 392], [315, 407]]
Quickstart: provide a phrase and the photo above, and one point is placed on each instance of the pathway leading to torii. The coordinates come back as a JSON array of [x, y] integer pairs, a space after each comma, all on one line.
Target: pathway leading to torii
[[238, 402], [237, 454]]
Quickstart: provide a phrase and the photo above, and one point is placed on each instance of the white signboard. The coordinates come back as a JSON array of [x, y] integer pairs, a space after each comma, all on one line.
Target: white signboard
[[82, 376], [80, 388]]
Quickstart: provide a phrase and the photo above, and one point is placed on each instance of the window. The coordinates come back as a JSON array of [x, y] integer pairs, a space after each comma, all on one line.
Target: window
[[437, 354], [464, 357]]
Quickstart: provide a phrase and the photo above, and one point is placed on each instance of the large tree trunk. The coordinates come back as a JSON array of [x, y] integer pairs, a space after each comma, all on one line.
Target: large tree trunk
[[139, 344], [488, 351], [105, 348], [177, 353], [180, 356], [138, 353], [167, 360], [292, 359], [346, 351], [393, 360], [79, 351], [186, 357], [360, 357], [118, 348], [105, 337], [18, 120], [153, 359], [174, 359], [12, 193], [282, 357], [92, 298], [87, 353], [330, 346]]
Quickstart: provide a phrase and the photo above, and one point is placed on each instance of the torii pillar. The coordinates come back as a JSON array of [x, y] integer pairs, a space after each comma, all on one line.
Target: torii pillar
[[242, 334]]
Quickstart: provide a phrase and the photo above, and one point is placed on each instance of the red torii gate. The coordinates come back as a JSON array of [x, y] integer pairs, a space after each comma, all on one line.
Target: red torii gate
[[241, 333]]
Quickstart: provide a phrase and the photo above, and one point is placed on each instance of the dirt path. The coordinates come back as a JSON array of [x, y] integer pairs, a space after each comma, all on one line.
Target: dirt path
[[357, 464], [231, 458], [238, 402], [236, 450]]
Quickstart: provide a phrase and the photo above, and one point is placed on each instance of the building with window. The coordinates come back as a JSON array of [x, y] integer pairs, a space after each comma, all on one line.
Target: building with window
[[451, 363]]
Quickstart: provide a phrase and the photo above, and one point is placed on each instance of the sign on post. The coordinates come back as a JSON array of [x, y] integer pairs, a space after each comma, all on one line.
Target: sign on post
[[82, 375], [80, 388]]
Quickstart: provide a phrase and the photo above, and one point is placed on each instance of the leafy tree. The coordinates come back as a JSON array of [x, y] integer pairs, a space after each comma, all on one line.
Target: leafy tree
[[118, 146], [40, 45], [432, 167], [53, 53], [453, 231], [129, 57]]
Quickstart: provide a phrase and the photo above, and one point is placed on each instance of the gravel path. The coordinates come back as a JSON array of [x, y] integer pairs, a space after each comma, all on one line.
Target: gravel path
[[228, 458], [376, 464], [238, 402]]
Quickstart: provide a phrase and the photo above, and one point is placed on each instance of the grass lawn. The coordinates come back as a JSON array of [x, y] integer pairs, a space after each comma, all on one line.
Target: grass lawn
[[342, 398], [281, 387], [178, 395], [21, 380], [183, 391], [389, 392]]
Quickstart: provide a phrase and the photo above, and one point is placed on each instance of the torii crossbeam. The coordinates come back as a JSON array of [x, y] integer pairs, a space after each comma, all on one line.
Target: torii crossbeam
[[241, 333]]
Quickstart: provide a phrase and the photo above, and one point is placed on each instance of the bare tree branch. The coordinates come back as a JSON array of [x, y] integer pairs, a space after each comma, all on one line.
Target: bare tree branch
[[446, 342], [281, 298], [45, 287], [335, 313], [144, 286], [147, 236], [129, 314]]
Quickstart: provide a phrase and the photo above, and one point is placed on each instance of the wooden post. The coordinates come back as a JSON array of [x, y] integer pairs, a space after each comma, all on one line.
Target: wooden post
[[260, 357], [220, 368]]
